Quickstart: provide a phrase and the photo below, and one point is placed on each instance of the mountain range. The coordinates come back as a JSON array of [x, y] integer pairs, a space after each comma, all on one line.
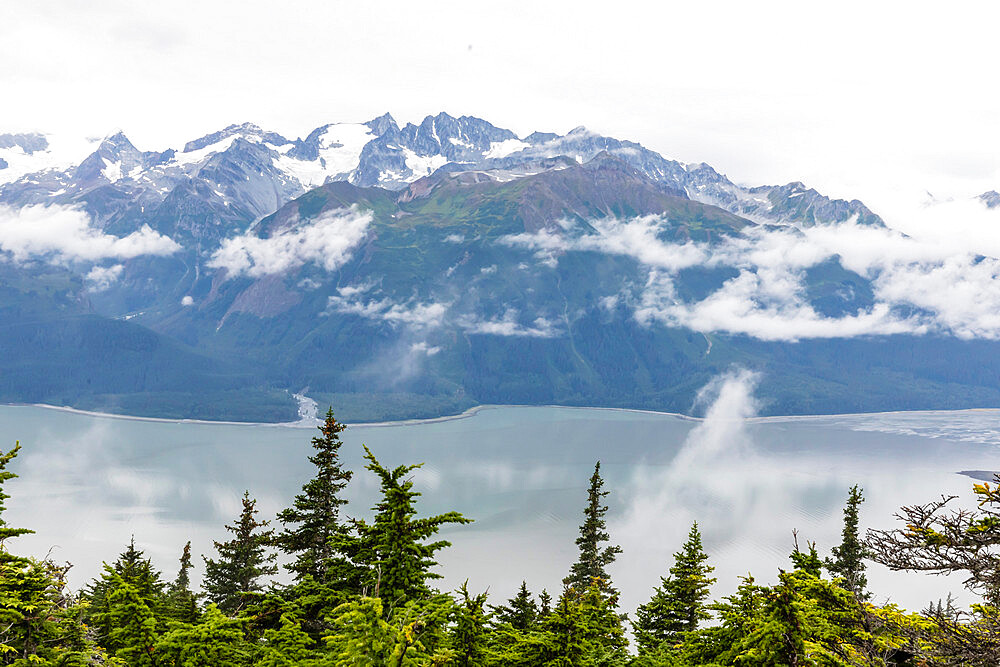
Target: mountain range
[[415, 271]]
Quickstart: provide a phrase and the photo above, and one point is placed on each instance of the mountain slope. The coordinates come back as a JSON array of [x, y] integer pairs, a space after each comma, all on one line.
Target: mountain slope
[[419, 270]]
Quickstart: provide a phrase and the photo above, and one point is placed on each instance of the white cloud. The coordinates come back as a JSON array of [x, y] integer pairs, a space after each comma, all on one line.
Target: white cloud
[[423, 348], [187, 301], [101, 278], [412, 314], [328, 241], [508, 325], [920, 285], [63, 234], [429, 315], [637, 238]]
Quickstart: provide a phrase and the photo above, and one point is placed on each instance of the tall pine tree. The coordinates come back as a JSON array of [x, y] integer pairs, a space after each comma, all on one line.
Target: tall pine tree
[[678, 604], [848, 559], [392, 549], [594, 556], [242, 561], [313, 521]]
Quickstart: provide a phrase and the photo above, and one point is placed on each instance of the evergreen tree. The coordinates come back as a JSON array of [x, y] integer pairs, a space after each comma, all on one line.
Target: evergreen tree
[[392, 549], [594, 557], [216, 641], [544, 604], [39, 622], [411, 635], [678, 604], [6, 532], [468, 641], [583, 629], [137, 572], [808, 562], [848, 558], [242, 561], [313, 522], [520, 612], [132, 627], [182, 603]]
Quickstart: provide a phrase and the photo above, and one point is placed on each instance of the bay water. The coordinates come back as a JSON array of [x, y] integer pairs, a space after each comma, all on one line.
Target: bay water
[[87, 483]]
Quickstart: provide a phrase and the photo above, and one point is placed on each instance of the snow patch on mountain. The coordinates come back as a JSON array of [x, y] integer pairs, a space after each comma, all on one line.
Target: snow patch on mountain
[[499, 149]]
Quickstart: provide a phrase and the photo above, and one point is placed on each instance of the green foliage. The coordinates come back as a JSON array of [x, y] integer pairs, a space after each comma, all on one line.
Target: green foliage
[[848, 560], [216, 641], [392, 549], [242, 561], [678, 604], [129, 569], [181, 603], [132, 626], [288, 645], [594, 557], [520, 612], [804, 620], [412, 635], [806, 561], [469, 631], [39, 622], [312, 523]]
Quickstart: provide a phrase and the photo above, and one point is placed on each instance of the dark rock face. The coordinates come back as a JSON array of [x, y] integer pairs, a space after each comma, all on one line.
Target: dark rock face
[[991, 199]]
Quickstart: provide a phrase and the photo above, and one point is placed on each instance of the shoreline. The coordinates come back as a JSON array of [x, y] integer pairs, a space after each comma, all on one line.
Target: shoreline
[[472, 412]]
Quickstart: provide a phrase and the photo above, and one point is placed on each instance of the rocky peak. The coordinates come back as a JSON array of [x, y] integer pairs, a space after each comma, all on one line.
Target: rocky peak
[[247, 131], [991, 199], [383, 124]]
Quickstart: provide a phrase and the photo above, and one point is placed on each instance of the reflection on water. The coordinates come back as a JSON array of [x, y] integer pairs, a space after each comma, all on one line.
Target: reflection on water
[[87, 483]]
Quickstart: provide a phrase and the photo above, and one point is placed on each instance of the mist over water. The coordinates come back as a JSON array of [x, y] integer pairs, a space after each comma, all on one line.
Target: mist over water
[[87, 483]]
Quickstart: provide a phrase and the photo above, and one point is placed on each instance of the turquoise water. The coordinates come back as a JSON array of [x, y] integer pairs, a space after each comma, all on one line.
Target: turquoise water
[[88, 482]]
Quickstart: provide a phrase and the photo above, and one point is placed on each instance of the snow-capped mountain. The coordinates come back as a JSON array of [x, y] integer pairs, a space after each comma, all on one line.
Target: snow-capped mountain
[[217, 184]]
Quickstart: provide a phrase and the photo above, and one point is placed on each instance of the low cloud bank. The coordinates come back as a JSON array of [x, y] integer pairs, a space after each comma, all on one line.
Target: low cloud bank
[[62, 234], [328, 241], [425, 316], [920, 285]]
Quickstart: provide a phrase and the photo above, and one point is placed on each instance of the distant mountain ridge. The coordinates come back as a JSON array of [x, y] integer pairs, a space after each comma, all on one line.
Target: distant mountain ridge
[[415, 271], [244, 172]]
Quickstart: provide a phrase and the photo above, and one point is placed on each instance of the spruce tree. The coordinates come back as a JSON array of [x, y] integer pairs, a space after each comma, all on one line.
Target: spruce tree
[[131, 569], [182, 603], [392, 549], [132, 628], [520, 612], [544, 605], [313, 522], [848, 558], [6, 532], [594, 556], [469, 632], [678, 604], [242, 561]]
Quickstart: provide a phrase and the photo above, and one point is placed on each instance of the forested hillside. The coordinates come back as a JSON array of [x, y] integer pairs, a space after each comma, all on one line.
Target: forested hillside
[[364, 593]]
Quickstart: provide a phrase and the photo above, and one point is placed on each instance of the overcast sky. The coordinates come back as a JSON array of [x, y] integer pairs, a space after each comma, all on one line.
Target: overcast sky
[[879, 101]]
